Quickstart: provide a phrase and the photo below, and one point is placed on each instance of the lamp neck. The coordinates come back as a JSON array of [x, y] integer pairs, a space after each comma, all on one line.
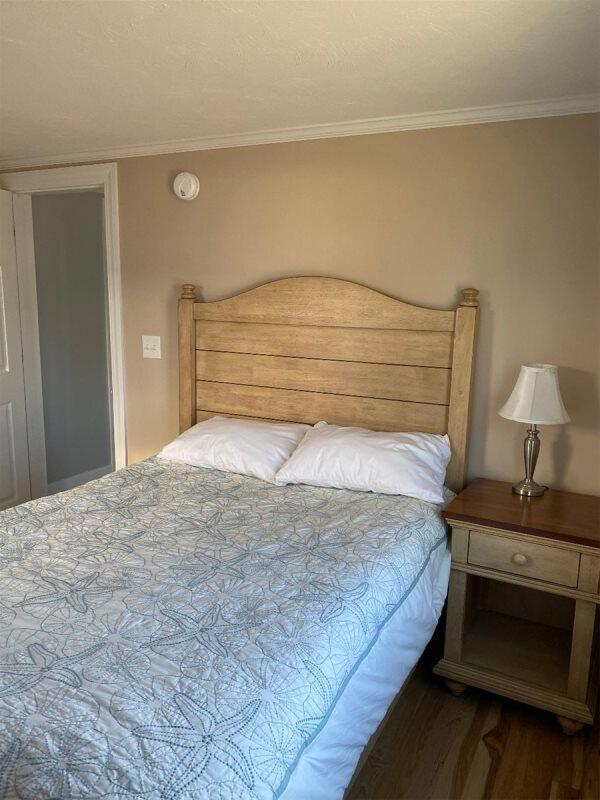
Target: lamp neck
[[531, 451]]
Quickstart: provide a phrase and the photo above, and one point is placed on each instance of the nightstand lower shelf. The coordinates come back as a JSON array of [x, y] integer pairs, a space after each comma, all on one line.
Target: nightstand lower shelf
[[492, 681], [527, 651], [524, 660], [543, 655]]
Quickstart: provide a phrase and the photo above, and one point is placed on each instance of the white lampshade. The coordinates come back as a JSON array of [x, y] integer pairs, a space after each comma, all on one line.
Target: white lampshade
[[536, 397]]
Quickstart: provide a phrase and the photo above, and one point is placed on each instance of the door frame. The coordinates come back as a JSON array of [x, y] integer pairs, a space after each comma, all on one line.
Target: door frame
[[24, 184]]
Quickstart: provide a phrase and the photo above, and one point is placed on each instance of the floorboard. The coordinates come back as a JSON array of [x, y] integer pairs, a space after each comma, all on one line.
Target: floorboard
[[476, 747]]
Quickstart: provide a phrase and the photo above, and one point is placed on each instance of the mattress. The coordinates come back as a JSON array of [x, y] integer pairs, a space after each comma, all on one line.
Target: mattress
[[172, 632]]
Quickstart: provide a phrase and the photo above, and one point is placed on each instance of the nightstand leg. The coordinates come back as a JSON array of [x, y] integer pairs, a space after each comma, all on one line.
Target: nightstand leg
[[455, 616], [569, 726], [455, 687]]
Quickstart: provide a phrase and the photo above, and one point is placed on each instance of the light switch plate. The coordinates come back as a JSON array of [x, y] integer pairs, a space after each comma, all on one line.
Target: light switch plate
[[151, 346]]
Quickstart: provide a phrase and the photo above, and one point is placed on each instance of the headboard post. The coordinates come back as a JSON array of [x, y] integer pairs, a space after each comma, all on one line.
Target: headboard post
[[187, 357], [460, 387]]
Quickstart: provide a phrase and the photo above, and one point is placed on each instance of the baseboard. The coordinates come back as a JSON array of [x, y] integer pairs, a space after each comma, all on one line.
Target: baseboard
[[78, 480]]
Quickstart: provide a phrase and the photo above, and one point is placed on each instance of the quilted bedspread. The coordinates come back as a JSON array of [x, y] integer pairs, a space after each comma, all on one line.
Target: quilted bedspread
[[171, 632]]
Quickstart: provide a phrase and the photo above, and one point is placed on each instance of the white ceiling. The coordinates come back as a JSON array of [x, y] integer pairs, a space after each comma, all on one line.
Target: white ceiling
[[93, 77]]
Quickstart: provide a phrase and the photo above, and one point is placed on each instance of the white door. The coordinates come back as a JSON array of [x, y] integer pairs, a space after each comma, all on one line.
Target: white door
[[14, 454]]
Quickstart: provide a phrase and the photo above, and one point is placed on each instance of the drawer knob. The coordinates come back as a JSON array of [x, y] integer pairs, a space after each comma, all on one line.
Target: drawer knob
[[519, 559]]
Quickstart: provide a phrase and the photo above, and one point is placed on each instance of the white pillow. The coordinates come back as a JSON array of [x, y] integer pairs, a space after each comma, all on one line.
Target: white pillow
[[412, 464], [246, 446]]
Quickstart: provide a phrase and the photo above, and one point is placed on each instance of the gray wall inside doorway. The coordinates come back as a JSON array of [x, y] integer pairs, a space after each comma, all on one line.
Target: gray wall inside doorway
[[71, 294]]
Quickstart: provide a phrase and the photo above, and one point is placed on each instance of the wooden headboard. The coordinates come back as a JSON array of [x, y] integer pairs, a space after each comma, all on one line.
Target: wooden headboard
[[306, 349]]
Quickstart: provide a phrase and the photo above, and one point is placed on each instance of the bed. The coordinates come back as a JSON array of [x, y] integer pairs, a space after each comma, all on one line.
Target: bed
[[176, 632]]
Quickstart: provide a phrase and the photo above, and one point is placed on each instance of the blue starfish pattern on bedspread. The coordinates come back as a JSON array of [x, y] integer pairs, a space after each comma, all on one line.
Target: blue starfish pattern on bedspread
[[174, 633]]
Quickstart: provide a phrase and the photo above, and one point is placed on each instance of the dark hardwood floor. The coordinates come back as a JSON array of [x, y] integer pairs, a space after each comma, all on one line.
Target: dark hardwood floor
[[440, 747]]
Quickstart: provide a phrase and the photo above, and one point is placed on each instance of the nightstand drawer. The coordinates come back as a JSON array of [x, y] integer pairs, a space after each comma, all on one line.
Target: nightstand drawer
[[543, 562]]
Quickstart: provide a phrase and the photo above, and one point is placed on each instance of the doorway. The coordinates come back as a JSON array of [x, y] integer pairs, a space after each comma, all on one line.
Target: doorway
[[73, 336], [68, 299]]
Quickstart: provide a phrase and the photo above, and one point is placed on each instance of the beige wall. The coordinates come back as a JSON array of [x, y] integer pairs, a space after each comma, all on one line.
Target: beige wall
[[510, 208]]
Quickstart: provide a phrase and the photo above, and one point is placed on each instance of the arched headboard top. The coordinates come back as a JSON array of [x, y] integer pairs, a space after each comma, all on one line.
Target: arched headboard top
[[326, 302], [309, 348]]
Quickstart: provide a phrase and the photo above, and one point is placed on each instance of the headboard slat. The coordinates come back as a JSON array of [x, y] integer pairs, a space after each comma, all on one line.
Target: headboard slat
[[383, 381], [311, 407], [419, 348]]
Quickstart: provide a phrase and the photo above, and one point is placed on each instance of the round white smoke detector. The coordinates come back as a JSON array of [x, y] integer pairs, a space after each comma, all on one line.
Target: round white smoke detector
[[186, 186]]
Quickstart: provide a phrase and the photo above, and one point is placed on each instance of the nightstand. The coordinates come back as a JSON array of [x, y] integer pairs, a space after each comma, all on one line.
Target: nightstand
[[524, 587]]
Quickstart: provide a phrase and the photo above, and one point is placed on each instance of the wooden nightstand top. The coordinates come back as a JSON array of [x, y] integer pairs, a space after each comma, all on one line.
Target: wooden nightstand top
[[565, 516]]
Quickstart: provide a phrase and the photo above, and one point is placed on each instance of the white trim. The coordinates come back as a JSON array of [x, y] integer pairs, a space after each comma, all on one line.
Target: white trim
[[560, 106], [102, 176], [30, 341], [115, 313], [79, 480], [92, 176]]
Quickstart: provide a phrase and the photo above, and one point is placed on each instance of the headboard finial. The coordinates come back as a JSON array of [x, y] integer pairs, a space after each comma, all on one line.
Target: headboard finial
[[188, 291], [470, 297]]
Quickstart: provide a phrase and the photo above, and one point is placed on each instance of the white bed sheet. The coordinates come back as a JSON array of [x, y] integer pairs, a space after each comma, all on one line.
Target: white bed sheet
[[328, 763]]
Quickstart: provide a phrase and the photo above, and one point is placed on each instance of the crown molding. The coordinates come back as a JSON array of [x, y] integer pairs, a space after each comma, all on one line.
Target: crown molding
[[561, 106]]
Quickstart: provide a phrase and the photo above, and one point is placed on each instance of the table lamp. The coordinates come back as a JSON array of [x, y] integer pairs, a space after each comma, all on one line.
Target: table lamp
[[535, 400]]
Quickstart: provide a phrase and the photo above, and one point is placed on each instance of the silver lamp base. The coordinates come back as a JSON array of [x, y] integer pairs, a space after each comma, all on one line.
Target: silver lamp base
[[531, 448], [529, 488]]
